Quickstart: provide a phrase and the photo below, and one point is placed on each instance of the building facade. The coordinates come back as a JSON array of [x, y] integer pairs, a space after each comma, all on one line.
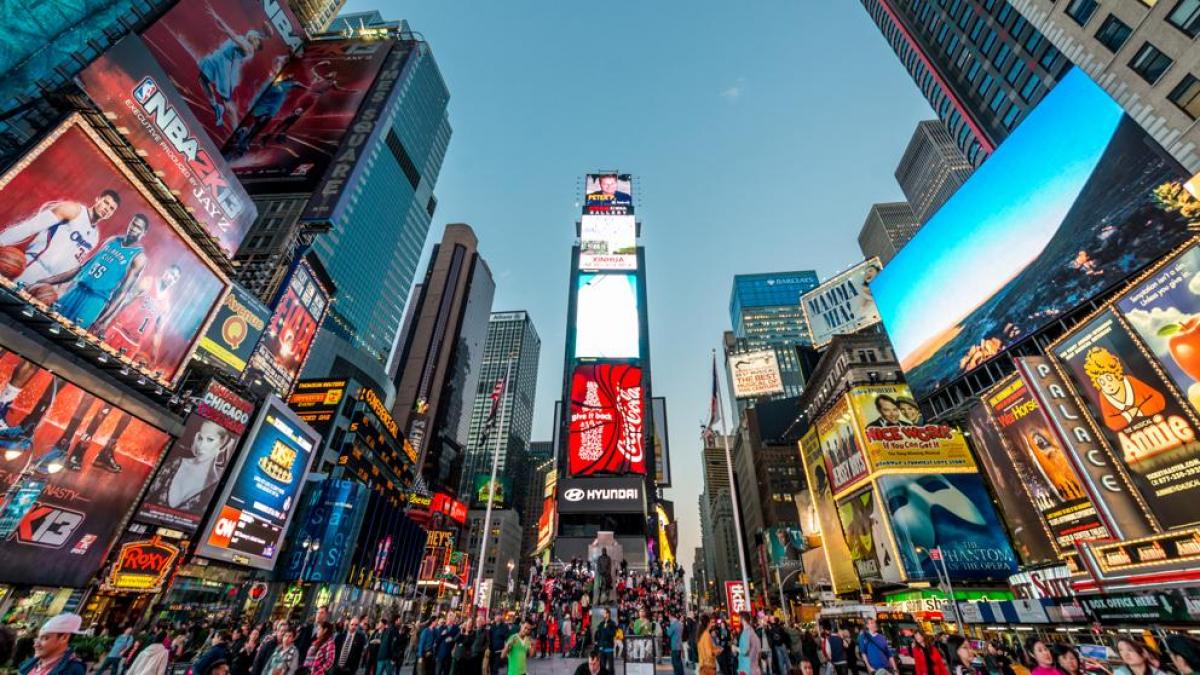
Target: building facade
[[886, 230], [765, 312], [503, 551], [316, 15], [931, 169]]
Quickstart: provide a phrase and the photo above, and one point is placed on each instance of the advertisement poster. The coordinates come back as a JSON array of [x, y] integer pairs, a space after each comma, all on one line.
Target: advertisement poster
[[188, 478], [1147, 428], [234, 331], [607, 323], [866, 535], [253, 511], [897, 435], [785, 546], [952, 512], [607, 243], [221, 54], [280, 354], [606, 428], [79, 235], [1063, 210], [608, 193], [105, 456], [1164, 311], [755, 374], [317, 402], [289, 136], [661, 440], [843, 304], [331, 515], [843, 458], [1042, 465], [499, 492], [128, 85], [836, 553]]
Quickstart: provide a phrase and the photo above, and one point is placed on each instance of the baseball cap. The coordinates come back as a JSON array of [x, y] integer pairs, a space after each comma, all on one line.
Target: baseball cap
[[63, 623]]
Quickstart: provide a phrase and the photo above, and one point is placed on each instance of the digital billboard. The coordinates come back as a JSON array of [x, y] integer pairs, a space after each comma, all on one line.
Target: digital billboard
[[231, 337], [607, 243], [252, 513], [221, 54], [662, 442], [189, 476], [833, 541], [842, 456], [865, 529], [289, 136], [317, 402], [607, 323], [280, 354], [896, 434], [608, 193], [81, 237], [1061, 211], [606, 428], [331, 513], [952, 512], [498, 492], [755, 374], [128, 85], [843, 304], [1150, 432], [104, 456]]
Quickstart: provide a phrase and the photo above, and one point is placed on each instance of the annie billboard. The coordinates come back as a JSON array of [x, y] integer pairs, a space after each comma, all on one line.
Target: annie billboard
[[1063, 210], [843, 304], [606, 428]]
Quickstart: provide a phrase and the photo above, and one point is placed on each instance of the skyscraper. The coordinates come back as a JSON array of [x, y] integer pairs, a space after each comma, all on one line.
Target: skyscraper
[[979, 63], [931, 169], [765, 312], [439, 356], [886, 230], [316, 15]]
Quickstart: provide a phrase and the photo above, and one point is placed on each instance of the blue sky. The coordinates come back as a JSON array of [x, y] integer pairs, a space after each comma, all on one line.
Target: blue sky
[[1010, 208], [759, 135]]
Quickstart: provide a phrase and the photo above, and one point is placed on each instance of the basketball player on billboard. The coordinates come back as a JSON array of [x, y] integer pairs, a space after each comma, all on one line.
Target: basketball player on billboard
[[135, 329], [318, 86], [268, 105], [221, 69]]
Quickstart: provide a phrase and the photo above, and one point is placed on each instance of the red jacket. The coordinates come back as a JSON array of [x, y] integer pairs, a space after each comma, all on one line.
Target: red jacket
[[928, 660]]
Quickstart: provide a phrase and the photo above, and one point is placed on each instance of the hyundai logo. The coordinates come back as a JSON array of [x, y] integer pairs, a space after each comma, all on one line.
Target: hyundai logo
[[573, 494]]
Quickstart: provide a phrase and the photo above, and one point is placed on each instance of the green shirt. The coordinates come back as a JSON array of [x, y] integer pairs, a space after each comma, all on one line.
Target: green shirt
[[641, 626], [518, 649]]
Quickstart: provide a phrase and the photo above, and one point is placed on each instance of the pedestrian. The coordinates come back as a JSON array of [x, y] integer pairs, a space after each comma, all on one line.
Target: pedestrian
[[267, 648], [286, 659], [876, 653], [426, 664], [927, 658], [593, 666], [996, 660], [52, 653], [1039, 654], [723, 639], [400, 644], [810, 650], [749, 648], [1185, 654], [443, 643], [351, 647], [706, 647], [308, 632], [322, 652], [1136, 658], [152, 660], [498, 633], [243, 655], [964, 657], [606, 639], [215, 655], [516, 650], [675, 636], [121, 647], [834, 648]]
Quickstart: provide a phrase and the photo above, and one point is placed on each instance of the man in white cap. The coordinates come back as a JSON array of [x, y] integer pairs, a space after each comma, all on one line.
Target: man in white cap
[[52, 653]]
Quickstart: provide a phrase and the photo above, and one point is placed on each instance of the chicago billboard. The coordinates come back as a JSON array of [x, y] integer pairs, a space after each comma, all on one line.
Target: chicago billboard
[[607, 323], [842, 304], [128, 85], [607, 243], [896, 434], [1063, 210], [252, 513], [755, 374], [221, 54], [283, 349], [89, 460], [231, 337], [606, 427], [82, 238]]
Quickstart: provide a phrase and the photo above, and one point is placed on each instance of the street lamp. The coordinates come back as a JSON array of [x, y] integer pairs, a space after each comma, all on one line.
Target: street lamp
[[509, 590], [310, 546]]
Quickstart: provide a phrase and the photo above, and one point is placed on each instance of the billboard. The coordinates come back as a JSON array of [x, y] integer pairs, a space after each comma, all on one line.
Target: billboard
[[865, 529], [128, 85], [607, 243], [952, 512], [1149, 431], [280, 354], [289, 136], [841, 454], [896, 434], [785, 546], [221, 54], [83, 238], [252, 513], [602, 494], [843, 304], [189, 476], [231, 337], [755, 374], [1063, 210], [498, 492], [662, 442], [607, 322], [332, 514], [105, 456], [317, 402], [608, 193], [606, 428], [833, 542]]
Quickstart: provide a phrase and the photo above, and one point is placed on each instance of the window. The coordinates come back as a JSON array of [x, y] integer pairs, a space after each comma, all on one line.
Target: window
[[1010, 119], [1048, 59], [977, 29], [1113, 33], [1033, 41], [973, 71], [1186, 17], [1150, 63], [1001, 55], [997, 100], [985, 84], [1030, 88], [973, 152], [988, 42], [1005, 13], [1014, 73], [1017, 27], [941, 37], [965, 19], [1081, 10], [953, 46], [1186, 95]]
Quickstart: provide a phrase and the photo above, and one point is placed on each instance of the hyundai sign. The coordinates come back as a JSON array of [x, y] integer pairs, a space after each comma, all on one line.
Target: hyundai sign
[[617, 494]]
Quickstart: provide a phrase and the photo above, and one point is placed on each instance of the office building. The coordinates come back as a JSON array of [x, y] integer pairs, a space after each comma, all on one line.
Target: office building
[[316, 15], [979, 63], [931, 169], [765, 312], [503, 555], [716, 516], [1142, 53], [886, 230], [439, 356], [512, 348]]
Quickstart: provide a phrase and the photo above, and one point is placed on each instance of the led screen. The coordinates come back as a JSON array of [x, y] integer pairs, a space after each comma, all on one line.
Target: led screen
[[607, 423], [607, 243], [281, 352], [606, 317], [610, 193], [1061, 211]]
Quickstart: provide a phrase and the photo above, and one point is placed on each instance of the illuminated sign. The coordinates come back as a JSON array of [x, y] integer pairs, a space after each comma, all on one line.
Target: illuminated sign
[[234, 331], [607, 420], [755, 374], [142, 566], [736, 602], [842, 304], [608, 193], [607, 322], [1169, 558], [607, 243], [449, 506], [368, 395]]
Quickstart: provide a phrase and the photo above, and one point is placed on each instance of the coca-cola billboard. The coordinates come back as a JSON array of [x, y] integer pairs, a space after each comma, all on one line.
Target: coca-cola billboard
[[607, 420]]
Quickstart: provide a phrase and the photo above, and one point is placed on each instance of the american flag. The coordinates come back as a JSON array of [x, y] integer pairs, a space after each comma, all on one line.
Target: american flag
[[714, 408]]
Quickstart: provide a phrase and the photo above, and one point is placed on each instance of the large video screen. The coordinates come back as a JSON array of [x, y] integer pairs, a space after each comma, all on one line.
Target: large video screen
[[87, 462], [607, 243], [606, 317], [283, 349], [222, 53], [606, 428], [1063, 210], [81, 237], [252, 514], [608, 193]]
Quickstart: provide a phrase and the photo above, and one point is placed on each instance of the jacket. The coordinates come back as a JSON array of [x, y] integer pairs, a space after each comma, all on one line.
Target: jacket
[[707, 650], [69, 664], [928, 660], [208, 659], [749, 649], [358, 644]]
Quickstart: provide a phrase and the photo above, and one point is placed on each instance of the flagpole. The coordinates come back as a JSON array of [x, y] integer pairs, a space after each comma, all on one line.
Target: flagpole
[[487, 517], [737, 513]]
